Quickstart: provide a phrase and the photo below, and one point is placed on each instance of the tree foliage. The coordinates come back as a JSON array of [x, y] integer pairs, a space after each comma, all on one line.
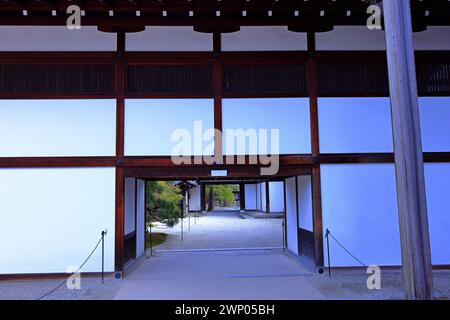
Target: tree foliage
[[163, 202], [222, 193]]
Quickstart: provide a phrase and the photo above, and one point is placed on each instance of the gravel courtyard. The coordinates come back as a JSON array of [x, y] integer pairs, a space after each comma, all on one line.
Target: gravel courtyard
[[223, 230]]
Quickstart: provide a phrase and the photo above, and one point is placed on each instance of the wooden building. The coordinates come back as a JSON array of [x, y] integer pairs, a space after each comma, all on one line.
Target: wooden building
[[86, 117]]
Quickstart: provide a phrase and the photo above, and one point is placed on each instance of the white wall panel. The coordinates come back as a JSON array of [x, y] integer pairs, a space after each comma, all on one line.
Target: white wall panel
[[251, 197], [52, 219], [258, 197], [355, 125], [351, 38], [149, 125], [291, 216], [34, 128], [434, 39], [437, 177], [55, 38], [276, 196], [264, 39], [289, 116], [169, 39], [305, 208], [359, 207], [263, 197], [130, 205], [434, 120], [140, 223], [195, 199]]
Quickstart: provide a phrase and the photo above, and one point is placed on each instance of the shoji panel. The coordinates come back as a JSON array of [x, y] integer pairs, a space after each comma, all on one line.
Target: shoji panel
[[434, 119], [359, 206], [355, 125], [38, 128], [52, 219], [288, 115], [437, 178], [151, 123]]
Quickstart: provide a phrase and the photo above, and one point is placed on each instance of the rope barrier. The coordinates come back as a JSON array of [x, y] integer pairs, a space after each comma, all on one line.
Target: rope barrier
[[329, 234], [71, 274]]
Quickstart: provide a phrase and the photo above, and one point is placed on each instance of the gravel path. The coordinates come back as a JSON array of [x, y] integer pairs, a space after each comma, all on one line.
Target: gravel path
[[219, 230], [351, 285], [91, 289]]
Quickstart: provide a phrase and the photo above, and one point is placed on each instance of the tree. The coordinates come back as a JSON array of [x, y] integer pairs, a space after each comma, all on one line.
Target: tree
[[163, 202], [222, 193]]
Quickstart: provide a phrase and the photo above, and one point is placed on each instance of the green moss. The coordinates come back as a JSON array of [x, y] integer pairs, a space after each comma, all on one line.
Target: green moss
[[155, 239]]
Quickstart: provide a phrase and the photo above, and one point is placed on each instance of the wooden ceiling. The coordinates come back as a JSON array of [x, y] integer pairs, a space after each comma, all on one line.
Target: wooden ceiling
[[212, 15]]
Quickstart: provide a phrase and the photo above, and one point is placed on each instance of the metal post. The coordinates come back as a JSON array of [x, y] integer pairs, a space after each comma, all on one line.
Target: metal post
[[181, 224], [186, 195], [327, 235], [103, 256], [412, 206], [151, 240]]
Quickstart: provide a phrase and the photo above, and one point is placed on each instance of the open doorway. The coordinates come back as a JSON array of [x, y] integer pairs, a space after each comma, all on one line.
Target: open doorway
[[202, 215], [223, 197]]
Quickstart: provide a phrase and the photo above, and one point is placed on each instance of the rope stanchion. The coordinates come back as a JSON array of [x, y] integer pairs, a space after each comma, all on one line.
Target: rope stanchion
[[101, 240], [327, 236]]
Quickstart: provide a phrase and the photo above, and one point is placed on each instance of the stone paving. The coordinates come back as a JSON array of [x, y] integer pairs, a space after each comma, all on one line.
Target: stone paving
[[220, 275]]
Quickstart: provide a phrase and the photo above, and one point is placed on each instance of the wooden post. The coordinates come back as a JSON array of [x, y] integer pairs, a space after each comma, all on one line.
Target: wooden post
[[119, 236], [120, 98], [412, 207], [217, 89], [242, 196], [202, 197]]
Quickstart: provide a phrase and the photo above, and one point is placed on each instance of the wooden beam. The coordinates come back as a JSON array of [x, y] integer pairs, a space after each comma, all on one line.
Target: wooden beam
[[411, 195], [57, 162]]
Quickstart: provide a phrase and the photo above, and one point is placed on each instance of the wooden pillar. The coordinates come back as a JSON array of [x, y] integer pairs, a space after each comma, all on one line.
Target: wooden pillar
[[267, 196], [119, 226], [414, 233], [202, 197], [312, 76], [217, 90], [120, 116], [313, 79], [317, 217], [119, 72], [242, 196]]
